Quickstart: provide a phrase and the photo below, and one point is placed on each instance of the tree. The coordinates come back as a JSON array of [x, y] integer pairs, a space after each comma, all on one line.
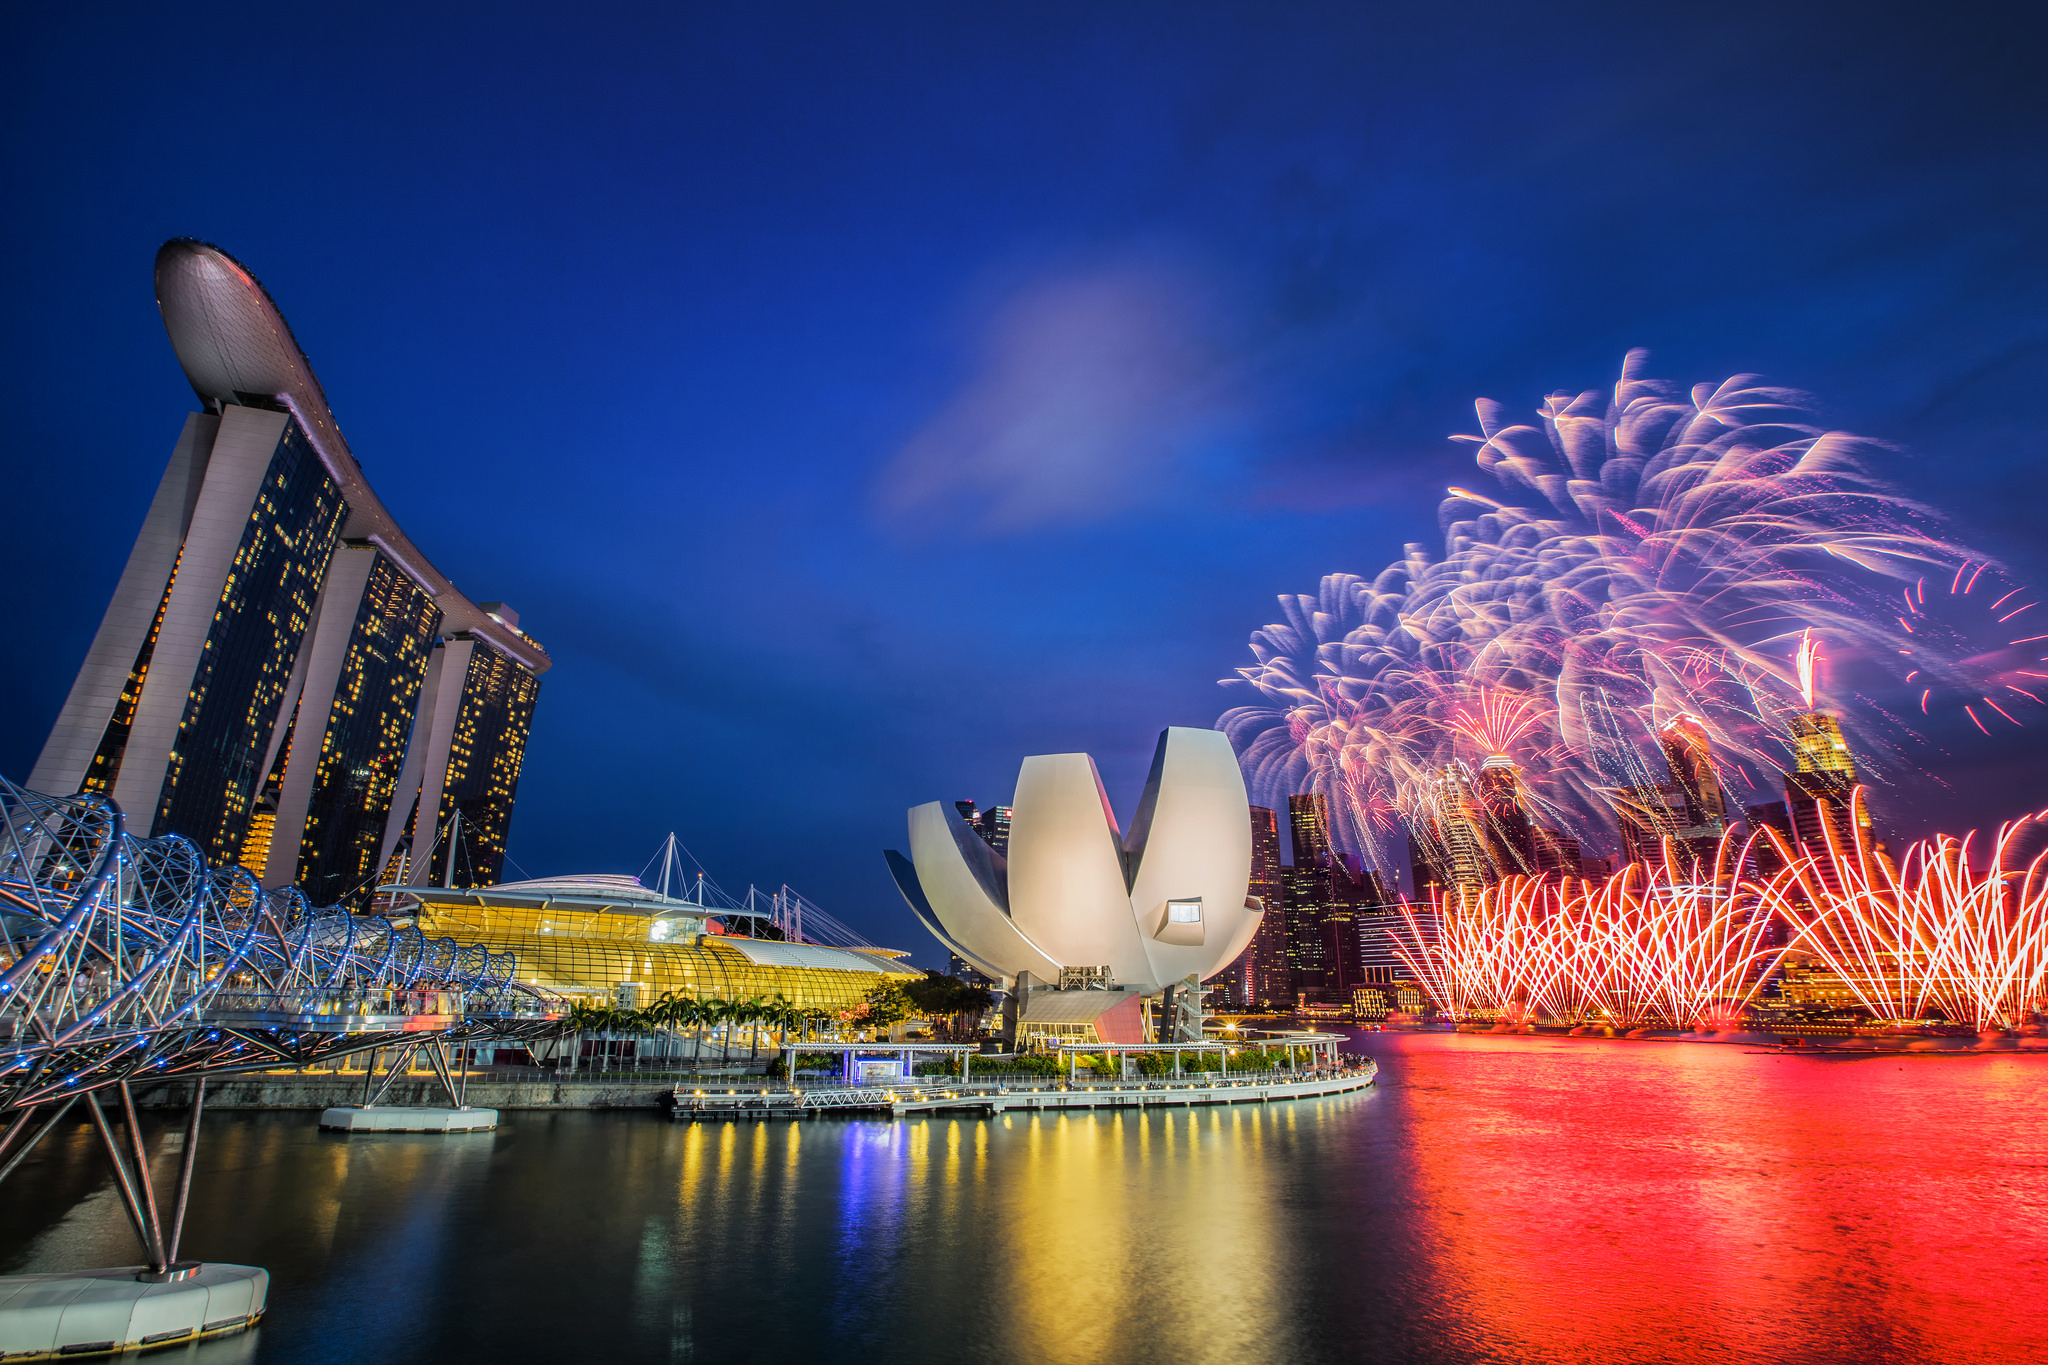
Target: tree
[[886, 1004], [937, 994]]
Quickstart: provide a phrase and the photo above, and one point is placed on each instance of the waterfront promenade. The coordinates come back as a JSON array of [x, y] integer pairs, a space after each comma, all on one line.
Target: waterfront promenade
[[1017, 1094], [656, 1091]]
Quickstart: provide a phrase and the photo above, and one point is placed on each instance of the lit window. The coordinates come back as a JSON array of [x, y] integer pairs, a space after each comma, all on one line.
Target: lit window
[[1184, 912]]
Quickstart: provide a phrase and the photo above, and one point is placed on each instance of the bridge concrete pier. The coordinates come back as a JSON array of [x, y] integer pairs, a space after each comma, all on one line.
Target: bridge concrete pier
[[79, 1314], [405, 1118]]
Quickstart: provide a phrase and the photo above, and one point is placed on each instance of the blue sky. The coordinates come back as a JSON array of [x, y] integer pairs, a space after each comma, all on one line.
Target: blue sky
[[856, 399]]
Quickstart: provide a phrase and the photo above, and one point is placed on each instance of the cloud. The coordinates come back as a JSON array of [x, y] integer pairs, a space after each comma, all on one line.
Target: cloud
[[1095, 392]]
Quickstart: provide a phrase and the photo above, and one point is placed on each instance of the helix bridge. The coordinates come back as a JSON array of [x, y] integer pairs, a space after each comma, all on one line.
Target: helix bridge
[[126, 962]]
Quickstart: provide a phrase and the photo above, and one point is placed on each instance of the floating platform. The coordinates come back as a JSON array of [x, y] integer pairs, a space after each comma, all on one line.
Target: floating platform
[[898, 1101], [83, 1313], [407, 1118]]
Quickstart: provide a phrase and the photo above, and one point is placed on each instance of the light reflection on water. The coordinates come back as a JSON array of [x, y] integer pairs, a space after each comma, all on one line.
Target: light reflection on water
[[1494, 1199]]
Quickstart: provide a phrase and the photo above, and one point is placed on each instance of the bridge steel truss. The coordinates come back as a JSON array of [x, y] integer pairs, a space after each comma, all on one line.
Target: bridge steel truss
[[128, 961]]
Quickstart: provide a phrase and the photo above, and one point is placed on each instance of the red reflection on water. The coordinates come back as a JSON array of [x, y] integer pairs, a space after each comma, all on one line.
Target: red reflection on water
[[1639, 1201]]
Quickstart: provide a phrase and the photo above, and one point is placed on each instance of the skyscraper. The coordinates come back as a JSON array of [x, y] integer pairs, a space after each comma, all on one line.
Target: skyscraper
[[995, 827], [1306, 893], [1510, 834], [1447, 842], [1819, 788], [1271, 979], [993, 824], [1258, 978], [1308, 820], [256, 682], [1558, 854], [1690, 753], [1647, 816]]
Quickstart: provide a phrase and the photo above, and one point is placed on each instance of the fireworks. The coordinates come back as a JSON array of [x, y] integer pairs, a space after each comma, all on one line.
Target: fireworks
[[1675, 943], [1689, 943], [1656, 555], [1926, 934]]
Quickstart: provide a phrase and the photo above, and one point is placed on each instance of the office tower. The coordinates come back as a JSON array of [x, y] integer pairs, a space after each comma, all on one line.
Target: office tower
[[993, 824], [1388, 941], [1647, 816], [1818, 791], [255, 681], [995, 827], [1447, 840], [1772, 815], [1308, 820], [1649, 805], [1305, 893], [965, 972], [1510, 835], [1701, 803], [1356, 896], [1231, 989], [1305, 896], [1690, 753], [1557, 854], [1269, 977]]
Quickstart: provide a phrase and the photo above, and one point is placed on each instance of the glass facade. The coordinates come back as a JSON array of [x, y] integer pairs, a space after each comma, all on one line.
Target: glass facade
[[483, 763], [210, 785], [105, 770], [1265, 975], [368, 726], [603, 958]]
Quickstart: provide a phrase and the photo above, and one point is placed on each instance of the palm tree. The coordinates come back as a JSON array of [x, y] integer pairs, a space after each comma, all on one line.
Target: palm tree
[[751, 1012], [703, 1013], [580, 1019], [781, 1014], [662, 1015]]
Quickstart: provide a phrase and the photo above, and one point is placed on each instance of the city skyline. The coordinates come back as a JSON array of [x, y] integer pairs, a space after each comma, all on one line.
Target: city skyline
[[741, 428]]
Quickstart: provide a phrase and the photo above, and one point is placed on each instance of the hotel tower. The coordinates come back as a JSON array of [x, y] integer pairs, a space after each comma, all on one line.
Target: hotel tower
[[282, 677]]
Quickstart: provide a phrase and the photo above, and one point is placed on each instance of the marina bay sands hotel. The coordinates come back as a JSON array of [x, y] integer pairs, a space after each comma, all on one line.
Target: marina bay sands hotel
[[282, 676]]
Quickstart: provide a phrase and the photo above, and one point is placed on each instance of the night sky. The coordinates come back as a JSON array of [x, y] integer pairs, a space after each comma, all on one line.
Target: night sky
[[855, 399]]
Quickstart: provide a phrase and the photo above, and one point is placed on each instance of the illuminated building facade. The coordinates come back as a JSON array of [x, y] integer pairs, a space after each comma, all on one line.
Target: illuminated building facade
[[1510, 833], [1690, 753], [492, 719], [1049, 1018], [1818, 790], [609, 940], [1774, 815], [1451, 840], [338, 766], [1261, 977], [255, 683], [993, 824], [995, 827], [1307, 890], [1326, 897], [1647, 816], [1556, 854]]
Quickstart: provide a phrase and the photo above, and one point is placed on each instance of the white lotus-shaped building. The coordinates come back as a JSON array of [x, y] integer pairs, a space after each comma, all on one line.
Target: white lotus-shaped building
[[1154, 907]]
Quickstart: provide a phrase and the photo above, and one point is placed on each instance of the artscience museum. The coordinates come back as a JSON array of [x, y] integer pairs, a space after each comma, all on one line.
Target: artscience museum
[[1077, 903]]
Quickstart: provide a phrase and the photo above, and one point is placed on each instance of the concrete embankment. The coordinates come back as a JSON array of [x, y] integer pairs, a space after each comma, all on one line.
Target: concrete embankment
[[318, 1092]]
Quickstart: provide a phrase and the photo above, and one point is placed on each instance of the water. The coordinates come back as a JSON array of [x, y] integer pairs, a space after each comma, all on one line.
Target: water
[[1493, 1200]]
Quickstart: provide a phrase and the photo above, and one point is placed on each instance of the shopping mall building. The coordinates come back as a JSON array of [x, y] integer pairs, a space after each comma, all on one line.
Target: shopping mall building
[[610, 940]]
